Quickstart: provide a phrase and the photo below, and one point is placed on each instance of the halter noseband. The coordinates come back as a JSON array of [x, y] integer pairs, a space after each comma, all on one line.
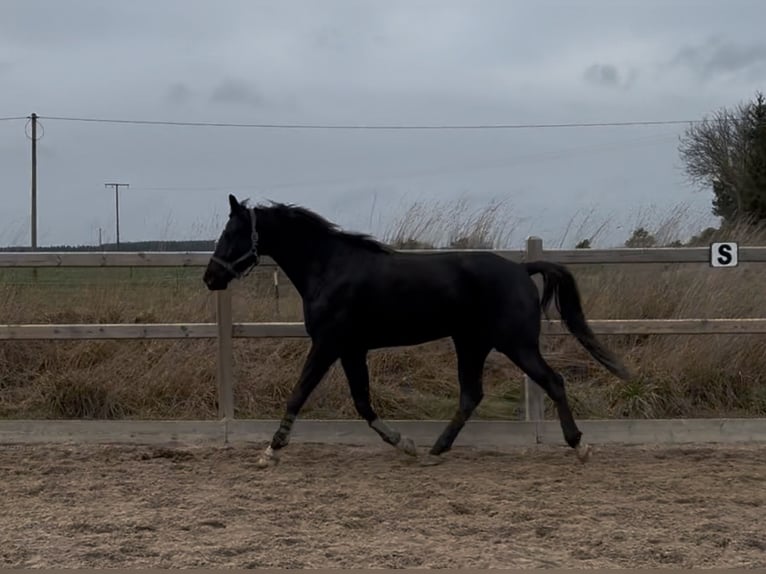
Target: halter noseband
[[230, 267]]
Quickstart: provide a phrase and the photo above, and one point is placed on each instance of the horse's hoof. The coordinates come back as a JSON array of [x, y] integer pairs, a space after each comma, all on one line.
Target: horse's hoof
[[407, 446], [431, 460], [267, 459], [583, 451]]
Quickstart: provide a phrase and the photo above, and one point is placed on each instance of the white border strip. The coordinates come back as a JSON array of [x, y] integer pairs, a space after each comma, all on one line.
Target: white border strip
[[482, 434]]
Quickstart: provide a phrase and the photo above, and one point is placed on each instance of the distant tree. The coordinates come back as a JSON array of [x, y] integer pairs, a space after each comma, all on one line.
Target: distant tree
[[754, 200], [641, 238], [727, 154], [704, 237], [584, 244]]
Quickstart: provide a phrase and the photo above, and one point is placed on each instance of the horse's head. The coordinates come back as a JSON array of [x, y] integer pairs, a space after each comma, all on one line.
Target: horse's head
[[236, 252]]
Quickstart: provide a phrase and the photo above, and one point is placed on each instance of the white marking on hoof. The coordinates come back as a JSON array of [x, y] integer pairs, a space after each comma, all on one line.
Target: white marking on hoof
[[407, 446], [268, 458], [584, 451], [431, 460]]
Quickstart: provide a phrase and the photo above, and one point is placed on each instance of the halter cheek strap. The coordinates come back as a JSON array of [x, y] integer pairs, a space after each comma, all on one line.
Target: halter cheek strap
[[252, 252]]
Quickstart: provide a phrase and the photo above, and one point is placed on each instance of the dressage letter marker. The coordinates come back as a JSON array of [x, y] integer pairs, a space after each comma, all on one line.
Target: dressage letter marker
[[723, 254]]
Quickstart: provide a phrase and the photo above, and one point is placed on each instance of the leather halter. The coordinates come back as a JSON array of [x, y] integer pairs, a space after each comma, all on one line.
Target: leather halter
[[253, 251]]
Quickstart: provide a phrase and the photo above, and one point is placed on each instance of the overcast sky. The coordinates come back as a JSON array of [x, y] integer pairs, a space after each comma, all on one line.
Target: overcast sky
[[362, 62]]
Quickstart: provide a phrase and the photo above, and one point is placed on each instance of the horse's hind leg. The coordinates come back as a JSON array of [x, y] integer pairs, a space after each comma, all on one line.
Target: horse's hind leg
[[355, 366], [470, 364], [528, 358]]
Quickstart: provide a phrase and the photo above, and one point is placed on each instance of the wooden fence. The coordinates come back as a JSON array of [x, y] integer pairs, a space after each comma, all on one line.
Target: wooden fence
[[225, 329]]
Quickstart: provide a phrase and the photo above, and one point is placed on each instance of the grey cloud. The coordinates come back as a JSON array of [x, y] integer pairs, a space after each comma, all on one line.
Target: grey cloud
[[236, 91], [609, 75], [22, 23], [94, 23], [602, 74], [334, 39], [716, 57], [179, 93], [330, 38]]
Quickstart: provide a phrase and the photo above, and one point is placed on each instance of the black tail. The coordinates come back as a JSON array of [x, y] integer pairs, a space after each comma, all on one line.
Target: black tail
[[558, 281]]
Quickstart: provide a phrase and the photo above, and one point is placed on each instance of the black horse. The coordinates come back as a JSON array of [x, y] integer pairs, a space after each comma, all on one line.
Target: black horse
[[359, 294]]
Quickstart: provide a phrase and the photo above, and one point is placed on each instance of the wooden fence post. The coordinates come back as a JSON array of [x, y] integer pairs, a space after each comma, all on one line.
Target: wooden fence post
[[276, 289], [225, 354], [534, 396]]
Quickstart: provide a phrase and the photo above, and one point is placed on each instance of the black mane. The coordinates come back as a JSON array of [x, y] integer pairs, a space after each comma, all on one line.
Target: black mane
[[309, 219]]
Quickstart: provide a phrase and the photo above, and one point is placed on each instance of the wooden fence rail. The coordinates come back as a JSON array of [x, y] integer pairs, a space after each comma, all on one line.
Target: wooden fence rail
[[288, 330], [747, 254], [225, 329]]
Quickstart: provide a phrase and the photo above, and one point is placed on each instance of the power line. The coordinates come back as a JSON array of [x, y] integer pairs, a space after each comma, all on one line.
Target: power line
[[12, 118], [375, 126]]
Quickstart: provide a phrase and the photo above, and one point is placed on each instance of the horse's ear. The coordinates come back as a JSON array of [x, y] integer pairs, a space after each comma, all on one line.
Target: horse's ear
[[233, 203]]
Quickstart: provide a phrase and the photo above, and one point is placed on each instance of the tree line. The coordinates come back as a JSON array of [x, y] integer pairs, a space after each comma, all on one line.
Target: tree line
[[182, 245]]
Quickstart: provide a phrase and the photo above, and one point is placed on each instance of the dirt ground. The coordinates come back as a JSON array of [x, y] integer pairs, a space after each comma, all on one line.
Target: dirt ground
[[337, 506]]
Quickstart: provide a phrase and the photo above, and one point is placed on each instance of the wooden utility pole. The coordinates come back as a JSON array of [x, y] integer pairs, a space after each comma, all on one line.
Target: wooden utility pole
[[34, 182], [116, 187]]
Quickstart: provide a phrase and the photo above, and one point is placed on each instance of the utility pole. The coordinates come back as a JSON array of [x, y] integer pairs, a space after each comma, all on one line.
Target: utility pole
[[33, 227], [116, 187]]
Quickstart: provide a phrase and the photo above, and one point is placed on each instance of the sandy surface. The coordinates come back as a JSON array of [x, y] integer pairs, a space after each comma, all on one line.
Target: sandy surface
[[333, 506]]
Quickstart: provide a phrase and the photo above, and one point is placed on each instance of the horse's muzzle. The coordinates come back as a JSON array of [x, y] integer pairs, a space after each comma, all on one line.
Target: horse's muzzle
[[214, 281]]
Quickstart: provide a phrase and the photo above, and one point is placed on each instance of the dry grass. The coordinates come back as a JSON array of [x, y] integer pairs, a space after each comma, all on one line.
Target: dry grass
[[677, 376]]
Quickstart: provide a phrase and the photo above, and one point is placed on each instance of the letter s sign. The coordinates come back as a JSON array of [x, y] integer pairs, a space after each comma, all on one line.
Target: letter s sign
[[723, 254]]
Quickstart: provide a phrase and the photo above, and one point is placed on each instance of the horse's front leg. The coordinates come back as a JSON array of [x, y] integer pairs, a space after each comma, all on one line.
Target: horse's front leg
[[319, 360]]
